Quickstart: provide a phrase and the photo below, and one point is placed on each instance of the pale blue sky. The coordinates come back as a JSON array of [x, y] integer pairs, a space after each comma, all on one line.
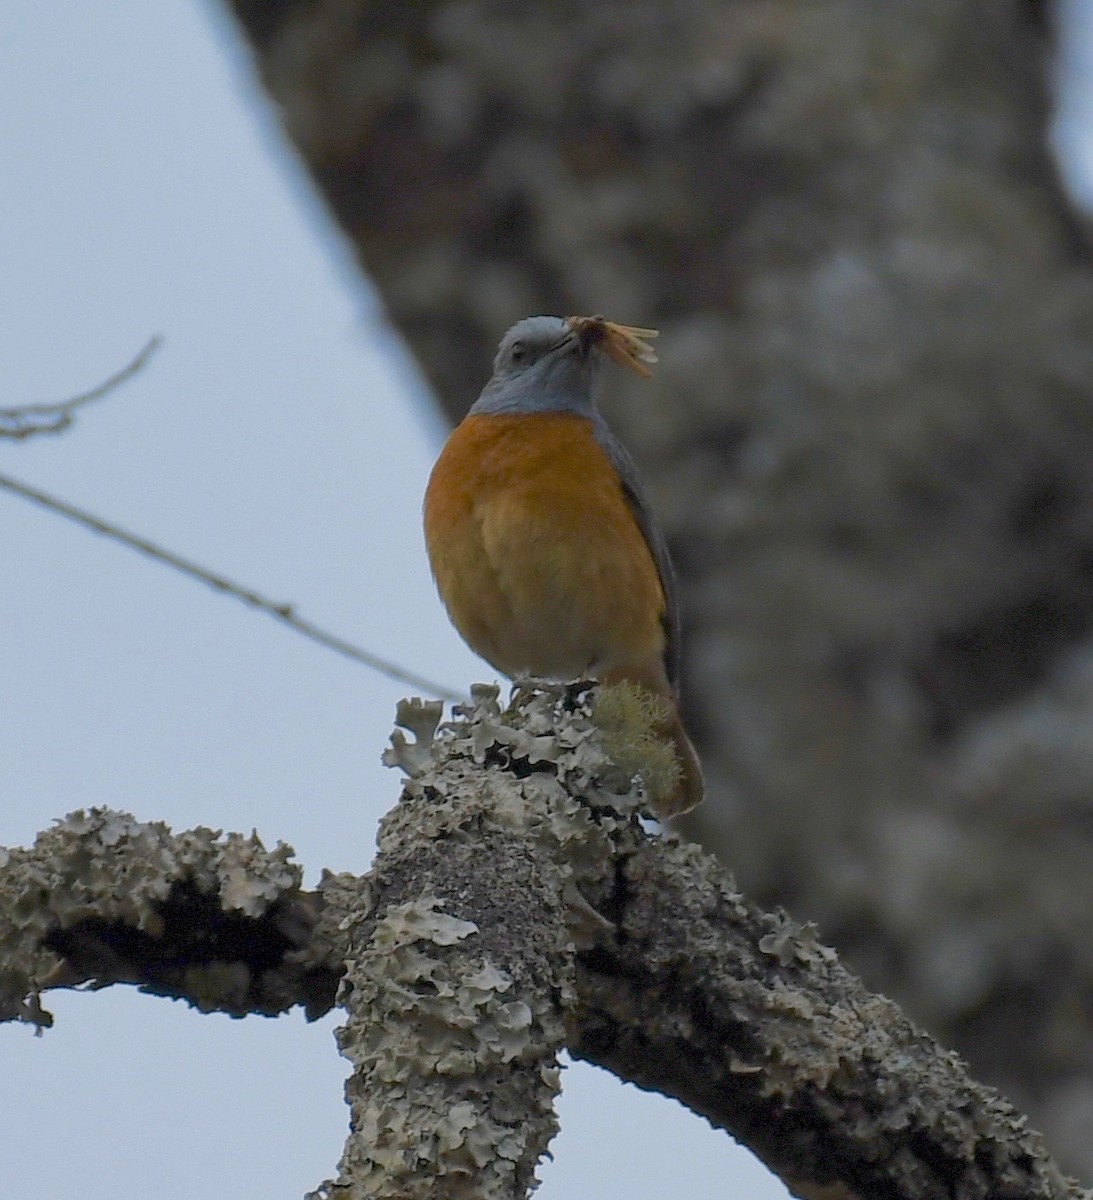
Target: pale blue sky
[[281, 435]]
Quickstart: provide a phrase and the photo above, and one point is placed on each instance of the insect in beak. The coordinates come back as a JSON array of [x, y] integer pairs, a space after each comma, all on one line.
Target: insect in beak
[[627, 345]]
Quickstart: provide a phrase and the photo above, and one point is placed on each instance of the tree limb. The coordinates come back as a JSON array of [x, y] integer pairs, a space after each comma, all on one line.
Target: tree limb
[[460, 968], [104, 898], [27, 420], [747, 1019], [280, 610], [513, 847]]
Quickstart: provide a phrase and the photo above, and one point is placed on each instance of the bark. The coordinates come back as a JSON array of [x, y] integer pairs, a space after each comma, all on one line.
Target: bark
[[518, 904], [103, 898], [869, 436]]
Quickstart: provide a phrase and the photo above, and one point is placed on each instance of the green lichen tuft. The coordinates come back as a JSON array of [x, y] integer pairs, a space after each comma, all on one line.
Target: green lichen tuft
[[632, 720]]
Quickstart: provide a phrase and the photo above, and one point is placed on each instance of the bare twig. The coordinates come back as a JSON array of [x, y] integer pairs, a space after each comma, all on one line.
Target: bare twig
[[283, 612], [27, 420]]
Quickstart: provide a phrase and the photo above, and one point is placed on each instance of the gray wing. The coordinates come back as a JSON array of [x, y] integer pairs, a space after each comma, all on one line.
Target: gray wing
[[634, 492]]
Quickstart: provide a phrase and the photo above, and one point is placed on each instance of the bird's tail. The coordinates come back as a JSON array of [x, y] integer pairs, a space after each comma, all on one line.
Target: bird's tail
[[691, 787]]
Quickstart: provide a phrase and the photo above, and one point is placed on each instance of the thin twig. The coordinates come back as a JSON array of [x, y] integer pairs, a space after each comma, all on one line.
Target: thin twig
[[282, 612], [27, 420]]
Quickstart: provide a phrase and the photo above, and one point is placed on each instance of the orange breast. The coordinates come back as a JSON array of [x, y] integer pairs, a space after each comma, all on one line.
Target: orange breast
[[536, 554]]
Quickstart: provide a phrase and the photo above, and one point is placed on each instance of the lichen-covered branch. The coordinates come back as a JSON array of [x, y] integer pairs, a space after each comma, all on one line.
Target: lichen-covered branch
[[459, 972], [684, 987], [749, 1020], [519, 904], [103, 898]]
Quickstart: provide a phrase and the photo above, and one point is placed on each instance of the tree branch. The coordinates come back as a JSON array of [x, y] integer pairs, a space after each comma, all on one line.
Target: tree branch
[[460, 968], [513, 853], [104, 898], [27, 420], [280, 611], [747, 1019]]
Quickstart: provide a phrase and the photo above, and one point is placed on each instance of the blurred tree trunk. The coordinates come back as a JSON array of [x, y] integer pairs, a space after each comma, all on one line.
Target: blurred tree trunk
[[870, 435]]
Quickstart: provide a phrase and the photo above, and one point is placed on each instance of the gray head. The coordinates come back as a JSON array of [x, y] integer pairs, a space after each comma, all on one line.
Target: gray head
[[542, 366]]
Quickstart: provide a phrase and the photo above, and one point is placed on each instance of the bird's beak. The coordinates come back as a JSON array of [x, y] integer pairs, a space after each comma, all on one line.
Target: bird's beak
[[589, 332], [571, 341], [580, 338]]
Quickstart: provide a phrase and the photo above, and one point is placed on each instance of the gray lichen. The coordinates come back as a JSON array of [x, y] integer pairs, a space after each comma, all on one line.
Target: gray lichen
[[750, 1020], [447, 1054], [104, 898], [460, 974], [518, 904]]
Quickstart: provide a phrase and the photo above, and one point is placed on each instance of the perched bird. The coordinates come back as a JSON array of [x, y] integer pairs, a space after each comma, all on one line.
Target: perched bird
[[545, 551]]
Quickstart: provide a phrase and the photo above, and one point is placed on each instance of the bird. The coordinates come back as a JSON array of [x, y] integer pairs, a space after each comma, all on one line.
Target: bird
[[541, 539]]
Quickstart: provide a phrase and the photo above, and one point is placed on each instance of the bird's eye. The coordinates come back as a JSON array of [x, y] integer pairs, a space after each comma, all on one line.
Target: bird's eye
[[518, 352]]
